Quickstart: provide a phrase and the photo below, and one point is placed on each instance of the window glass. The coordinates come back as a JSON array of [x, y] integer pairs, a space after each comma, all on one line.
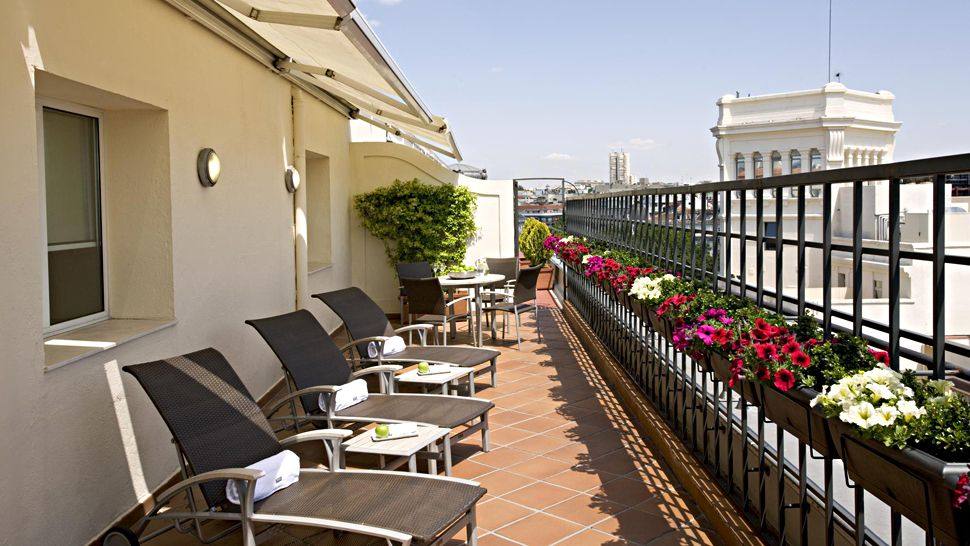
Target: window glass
[[796, 162], [759, 165], [72, 180], [775, 164], [816, 161], [739, 167]]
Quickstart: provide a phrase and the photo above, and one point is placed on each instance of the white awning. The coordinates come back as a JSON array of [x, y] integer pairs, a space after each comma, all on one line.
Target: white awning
[[329, 45]]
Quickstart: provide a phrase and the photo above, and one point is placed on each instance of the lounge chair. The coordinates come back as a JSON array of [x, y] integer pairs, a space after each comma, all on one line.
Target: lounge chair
[[314, 364], [218, 430], [366, 322]]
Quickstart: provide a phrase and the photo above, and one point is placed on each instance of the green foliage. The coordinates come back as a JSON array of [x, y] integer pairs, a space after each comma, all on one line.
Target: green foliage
[[533, 234], [420, 222]]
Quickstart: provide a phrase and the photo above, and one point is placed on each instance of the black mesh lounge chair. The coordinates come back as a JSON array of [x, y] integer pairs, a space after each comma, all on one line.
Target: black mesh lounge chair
[[314, 365], [366, 322], [218, 430], [521, 300], [411, 270]]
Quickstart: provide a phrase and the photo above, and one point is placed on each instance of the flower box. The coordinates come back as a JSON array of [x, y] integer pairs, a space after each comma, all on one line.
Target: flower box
[[793, 412], [914, 483], [720, 366]]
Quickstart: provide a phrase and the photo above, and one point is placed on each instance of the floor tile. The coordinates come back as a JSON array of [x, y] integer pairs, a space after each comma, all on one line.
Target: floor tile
[[585, 509], [496, 513], [539, 467], [539, 530], [501, 482], [539, 495], [635, 526]]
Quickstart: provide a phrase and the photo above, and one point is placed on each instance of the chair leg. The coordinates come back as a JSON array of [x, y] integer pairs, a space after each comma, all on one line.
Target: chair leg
[[485, 433], [494, 371], [444, 332], [518, 336], [472, 528], [536, 314]]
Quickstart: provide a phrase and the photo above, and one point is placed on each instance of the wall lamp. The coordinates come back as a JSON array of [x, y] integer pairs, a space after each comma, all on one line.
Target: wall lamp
[[208, 167]]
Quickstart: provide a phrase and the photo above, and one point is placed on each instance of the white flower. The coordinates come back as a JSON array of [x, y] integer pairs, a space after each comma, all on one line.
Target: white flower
[[909, 410], [586, 258], [567, 239], [941, 386], [880, 392], [859, 414], [885, 415]]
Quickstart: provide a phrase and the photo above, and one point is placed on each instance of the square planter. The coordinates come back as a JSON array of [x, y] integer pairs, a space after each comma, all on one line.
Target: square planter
[[792, 411], [916, 484]]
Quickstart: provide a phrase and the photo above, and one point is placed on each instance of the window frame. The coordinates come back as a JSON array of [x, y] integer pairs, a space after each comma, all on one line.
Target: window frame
[[81, 110]]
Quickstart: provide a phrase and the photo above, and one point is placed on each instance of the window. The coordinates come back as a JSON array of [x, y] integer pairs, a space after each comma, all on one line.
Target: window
[[770, 232], [69, 144], [795, 161], [775, 164], [739, 167], [877, 289], [815, 163], [319, 239], [759, 165], [841, 279]]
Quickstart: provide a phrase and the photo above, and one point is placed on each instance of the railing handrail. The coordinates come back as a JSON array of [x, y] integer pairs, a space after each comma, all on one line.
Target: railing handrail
[[950, 164]]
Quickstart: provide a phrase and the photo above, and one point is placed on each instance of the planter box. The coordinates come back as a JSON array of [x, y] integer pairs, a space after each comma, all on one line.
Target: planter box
[[916, 484], [792, 411], [721, 367]]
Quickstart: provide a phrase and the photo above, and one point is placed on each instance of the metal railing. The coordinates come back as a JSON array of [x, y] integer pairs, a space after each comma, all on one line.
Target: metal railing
[[722, 236]]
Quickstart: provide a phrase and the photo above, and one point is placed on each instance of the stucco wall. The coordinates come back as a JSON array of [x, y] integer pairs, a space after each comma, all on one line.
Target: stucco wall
[[81, 443]]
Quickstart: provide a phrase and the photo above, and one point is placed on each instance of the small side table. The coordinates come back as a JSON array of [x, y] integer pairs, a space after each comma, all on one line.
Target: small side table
[[440, 380], [404, 449]]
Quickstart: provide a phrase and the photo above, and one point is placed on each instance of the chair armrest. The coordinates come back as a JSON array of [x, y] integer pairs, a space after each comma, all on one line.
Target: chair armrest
[[495, 293], [356, 342], [386, 372], [422, 327], [456, 300], [242, 474], [376, 369], [321, 389], [332, 439], [422, 330]]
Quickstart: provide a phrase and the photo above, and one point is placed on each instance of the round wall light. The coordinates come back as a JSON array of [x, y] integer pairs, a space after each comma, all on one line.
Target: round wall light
[[208, 167], [292, 179]]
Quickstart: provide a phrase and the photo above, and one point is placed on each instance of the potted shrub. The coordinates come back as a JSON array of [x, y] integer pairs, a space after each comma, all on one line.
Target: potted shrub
[[532, 245], [907, 441]]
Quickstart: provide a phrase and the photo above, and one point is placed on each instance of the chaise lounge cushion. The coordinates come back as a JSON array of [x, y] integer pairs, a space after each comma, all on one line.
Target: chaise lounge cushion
[[442, 411], [403, 502], [458, 355]]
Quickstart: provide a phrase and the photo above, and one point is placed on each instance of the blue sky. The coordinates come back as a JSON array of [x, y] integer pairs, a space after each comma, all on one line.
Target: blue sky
[[547, 88]]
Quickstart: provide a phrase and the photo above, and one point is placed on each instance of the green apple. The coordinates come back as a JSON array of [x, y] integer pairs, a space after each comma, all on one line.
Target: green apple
[[381, 431], [423, 367]]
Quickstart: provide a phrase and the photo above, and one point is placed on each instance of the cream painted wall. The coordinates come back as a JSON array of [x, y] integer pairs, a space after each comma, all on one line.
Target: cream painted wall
[[82, 443], [377, 164]]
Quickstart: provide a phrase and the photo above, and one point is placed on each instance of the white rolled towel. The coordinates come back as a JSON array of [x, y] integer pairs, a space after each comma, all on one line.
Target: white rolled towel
[[402, 429], [349, 394], [280, 471], [392, 345]]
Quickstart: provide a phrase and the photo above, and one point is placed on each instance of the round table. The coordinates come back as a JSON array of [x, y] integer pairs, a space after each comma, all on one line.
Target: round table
[[474, 285]]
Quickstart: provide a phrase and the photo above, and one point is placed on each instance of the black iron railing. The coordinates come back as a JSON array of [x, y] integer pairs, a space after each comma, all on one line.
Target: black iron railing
[[723, 235]]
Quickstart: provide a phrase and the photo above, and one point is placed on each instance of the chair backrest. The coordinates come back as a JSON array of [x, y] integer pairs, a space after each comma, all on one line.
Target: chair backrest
[[525, 284], [212, 417], [425, 296], [414, 270], [504, 266], [361, 315], [307, 352]]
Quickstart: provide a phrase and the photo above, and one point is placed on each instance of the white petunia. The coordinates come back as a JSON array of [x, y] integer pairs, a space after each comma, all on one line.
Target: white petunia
[[858, 414], [884, 415], [909, 410], [880, 392]]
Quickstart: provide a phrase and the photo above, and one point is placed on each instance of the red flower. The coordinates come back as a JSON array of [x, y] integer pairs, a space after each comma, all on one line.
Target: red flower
[[766, 351], [811, 343], [763, 374], [881, 356], [723, 336], [784, 379], [791, 347], [962, 492], [799, 358], [737, 366]]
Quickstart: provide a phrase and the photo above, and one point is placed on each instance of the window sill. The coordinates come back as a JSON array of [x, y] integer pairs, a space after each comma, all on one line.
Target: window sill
[[316, 267], [65, 348]]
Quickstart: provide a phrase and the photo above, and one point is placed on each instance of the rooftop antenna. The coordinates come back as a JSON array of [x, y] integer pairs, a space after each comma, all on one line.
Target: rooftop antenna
[[829, 73]]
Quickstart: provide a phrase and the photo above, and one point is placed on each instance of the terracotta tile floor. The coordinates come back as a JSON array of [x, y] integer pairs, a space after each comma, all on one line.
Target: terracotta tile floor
[[566, 465]]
